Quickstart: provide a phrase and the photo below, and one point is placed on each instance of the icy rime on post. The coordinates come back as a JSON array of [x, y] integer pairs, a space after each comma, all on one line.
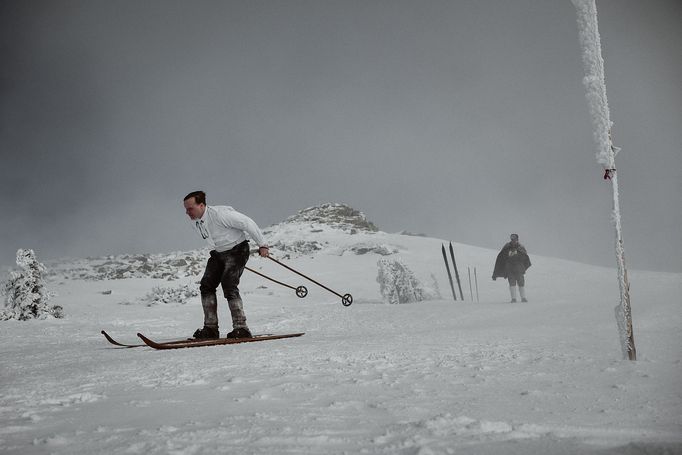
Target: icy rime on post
[[595, 85]]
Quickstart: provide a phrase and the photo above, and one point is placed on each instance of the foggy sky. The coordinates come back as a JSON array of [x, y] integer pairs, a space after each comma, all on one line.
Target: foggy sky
[[463, 120]]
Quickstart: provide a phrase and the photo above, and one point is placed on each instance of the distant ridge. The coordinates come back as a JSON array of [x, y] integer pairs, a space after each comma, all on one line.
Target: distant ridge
[[292, 237]]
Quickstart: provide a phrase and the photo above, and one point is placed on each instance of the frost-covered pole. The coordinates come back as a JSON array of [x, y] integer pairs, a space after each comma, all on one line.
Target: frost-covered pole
[[595, 85]]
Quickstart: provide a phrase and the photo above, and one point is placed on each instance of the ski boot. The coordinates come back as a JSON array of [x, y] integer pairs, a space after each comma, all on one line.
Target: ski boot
[[242, 332], [207, 333]]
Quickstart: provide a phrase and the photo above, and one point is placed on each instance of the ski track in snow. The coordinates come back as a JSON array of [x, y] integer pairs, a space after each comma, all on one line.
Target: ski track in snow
[[428, 378]]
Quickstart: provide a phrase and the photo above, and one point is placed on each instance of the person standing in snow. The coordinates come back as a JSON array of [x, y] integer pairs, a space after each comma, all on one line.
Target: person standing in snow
[[225, 231], [512, 263]]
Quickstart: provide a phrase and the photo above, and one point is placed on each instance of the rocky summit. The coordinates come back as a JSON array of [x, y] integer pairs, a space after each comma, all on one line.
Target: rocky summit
[[339, 216]]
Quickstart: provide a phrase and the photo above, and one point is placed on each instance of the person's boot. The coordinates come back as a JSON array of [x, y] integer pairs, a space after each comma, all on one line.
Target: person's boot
[[209, 303], [512, 291], [522, 292], [241, 330], [206, 333]]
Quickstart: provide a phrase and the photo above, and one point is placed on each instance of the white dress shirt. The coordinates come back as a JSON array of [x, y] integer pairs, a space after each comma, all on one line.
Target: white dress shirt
[[224, 228]]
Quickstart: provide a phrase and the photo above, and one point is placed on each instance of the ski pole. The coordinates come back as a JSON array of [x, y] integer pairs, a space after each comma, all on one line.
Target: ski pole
[[346, 299], [470, 288], [445, 258], [476, 281], [301, 291]]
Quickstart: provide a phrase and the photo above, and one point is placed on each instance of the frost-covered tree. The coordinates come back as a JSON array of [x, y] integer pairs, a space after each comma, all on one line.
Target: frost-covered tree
[[26, 295], [397, 283]]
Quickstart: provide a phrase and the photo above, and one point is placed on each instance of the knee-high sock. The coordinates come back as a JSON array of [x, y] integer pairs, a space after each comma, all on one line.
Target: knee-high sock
[[522, 292], [512, 291], [237, 311], [210, 304]]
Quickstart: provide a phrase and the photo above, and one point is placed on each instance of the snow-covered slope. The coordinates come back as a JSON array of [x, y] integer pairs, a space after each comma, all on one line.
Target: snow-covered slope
[[439, 376]]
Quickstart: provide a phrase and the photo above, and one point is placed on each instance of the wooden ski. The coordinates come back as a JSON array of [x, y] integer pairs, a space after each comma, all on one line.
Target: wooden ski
[[126, 345], [214, 342]]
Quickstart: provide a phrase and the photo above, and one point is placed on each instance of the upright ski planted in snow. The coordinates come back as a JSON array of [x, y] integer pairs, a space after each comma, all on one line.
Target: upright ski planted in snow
[[454, 265], [447, 267]]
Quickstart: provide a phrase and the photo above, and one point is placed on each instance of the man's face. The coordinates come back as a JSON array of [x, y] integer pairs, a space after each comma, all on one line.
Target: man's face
[[193, 210]]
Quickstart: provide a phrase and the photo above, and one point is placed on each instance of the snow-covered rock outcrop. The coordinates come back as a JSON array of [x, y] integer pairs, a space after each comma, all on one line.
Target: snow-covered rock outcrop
[[334, 215], [330, 228]]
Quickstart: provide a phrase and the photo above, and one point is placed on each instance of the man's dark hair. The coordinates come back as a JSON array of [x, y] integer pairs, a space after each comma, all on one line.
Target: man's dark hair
[[199, 197]]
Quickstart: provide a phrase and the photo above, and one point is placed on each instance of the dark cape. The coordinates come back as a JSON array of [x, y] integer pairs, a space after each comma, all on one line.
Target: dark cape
[[501, 269]]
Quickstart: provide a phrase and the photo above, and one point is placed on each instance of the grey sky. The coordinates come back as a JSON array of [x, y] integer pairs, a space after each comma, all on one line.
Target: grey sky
[[464, 120]]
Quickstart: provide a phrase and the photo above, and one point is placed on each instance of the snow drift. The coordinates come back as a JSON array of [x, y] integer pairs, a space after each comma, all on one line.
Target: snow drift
[[436, 376]]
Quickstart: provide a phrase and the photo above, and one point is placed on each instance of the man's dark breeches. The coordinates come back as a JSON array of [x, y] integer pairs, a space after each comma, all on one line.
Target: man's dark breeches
[[225, 269]]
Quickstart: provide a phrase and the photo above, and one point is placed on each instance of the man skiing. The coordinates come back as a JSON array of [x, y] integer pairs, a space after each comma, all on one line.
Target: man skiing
[[225, 231], [512, 263]]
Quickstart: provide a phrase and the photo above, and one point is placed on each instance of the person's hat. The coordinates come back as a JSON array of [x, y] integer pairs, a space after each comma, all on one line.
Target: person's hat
[[514, 236]]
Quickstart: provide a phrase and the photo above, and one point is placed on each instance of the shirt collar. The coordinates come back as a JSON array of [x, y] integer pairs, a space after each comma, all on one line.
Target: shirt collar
[[204, 217]]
